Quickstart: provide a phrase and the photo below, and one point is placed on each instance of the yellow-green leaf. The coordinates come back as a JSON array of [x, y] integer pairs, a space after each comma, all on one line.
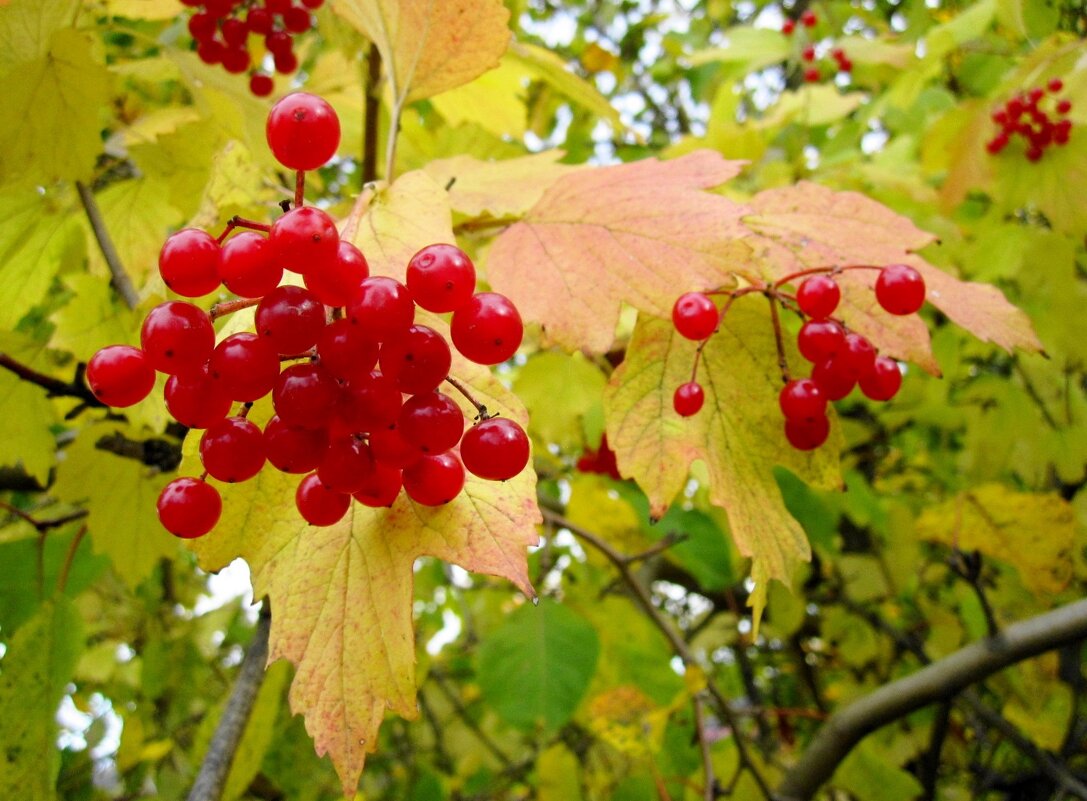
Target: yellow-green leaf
[[559, 390], [1034, 533], [26, 27], [504, 188], [26, 414], [755, 48], [94, 318], [495, 101], [552, 70], [139, 216]]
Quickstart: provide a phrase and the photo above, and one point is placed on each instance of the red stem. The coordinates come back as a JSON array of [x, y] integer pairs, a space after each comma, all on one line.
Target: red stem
[[823, 270], [299, 188]]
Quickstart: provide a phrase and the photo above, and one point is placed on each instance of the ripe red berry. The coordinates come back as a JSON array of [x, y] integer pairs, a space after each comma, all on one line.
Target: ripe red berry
[[434, 480], [818, 296], [236, 60], [802, 399], [278, 42], [345, 352], [196, 401], [336, 282], [246, 366], [369, 404], [834, 378], [806, 435], [247, 268], [418, 360], [232, 450], [393, 450], [495, 449], [319, 505], [694, 315], [1055, 85], [487, 329], [380, 487], [259, 21], [1064, 106], [688, 399], [788, 27], [177, 337], [883, 381], [296, 20], [431, 421], [261, 85], [303, 394], [900, 289], [290, 318], [808, 53], [189, 507], [304, 238], [808, 18], [382, 309], [857, 355], [202, 26], [189, 263], [120, 375], [345, 463], [818, 340], [294, 450], [303, 131], [812, 75], [441, 278], [285, 62]]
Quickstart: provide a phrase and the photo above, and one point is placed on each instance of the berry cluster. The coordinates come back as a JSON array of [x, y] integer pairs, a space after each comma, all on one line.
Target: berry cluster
[[1024, 116], [841, 359], [813, 71], [808, 19], [222, 31], [352, 377]]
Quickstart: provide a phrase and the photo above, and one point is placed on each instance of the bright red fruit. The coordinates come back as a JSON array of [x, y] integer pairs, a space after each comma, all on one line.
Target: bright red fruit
[[177, 337], [495, 449], [319, 505], [818, 340], [694, 315], [383, 308], [247, 268], [487, 329], [808, 18], [806, 435], [196, 401], [337, 282], [900, 289], [344, 466], [834, 379], [431, 421], [261, 85], [883, 381], [788, 27], [391, 449], [120, 375], [818, 296], [304, 238], [688, 399], [303, 131], [232, 450], [812, 75], [189, 262], [369, 404], [345, 352], [189, 508], [303, 394], [441, 278], [246, 366], [802, 399], [857, 355], [381, 486], [418, 359], [434, 480], [290, 318], [294, 450]]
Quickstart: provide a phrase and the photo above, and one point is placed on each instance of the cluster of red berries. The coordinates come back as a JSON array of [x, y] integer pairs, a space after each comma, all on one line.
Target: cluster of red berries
[[842, 359], [221, 30], [1023, 116], [813, 72], [357, 409], [808, 19]]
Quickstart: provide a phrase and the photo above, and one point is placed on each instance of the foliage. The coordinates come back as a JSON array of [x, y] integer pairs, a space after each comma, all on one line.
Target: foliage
[[596, 160]]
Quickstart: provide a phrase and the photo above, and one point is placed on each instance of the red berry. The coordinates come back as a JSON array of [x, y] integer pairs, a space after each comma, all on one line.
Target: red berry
[[431, 421], [196, 401], [337, 282], [997, 143], [232, 450], [285, 62], [834, 378], [344, 352], [290, 318], [345, 463], [382, 309], [120, 375], [259, 21], [236, 60], [247, 268], [418, 360], [1064, 106], [189, 262], [900, 289], [313, 5], [246, 366], [393, 450], [1055, 85], [694, 316], [381, 486], [495, 449], [303, 131], [882, 382], [818, 340], [261, 85], [278, 42], [688, 399], [318, 505], [806, 435], [812, 75], [818, 296], [808, 53], [189, 507], [294, 450], [845, 65], [857, 355], [304, 238], [303, 394], [211, 51], [788, 27], [434, 480], [487, 329], [441, 278], [202, 26], [177, 337], [808, 18], [802, 399], [370, 403], [296, 20], [277, 6]]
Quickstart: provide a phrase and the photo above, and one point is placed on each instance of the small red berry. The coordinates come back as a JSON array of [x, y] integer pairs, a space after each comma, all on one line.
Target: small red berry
[[1055, 85], [808, 18], [694, 315], [189, 507], [688, 399], [303, 131], [807, 435], [788, 27], [818, 296], [883, 381], [802, 399], [812, 75], [900, 289]]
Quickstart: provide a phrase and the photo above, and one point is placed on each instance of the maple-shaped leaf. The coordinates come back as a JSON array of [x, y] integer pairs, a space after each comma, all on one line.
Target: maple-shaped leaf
[[498, 188], [739, 434], [808, 225], [639, 233], [342, 595], [430, 46]]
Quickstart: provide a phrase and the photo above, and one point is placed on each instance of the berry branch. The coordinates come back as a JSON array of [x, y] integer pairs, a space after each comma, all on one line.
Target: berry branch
[[119, 276], [54, 387], [463, 390], [371, 115]]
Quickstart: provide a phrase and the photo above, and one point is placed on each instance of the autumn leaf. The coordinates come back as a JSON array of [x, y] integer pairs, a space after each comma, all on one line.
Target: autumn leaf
[[342, 595], [430, 46], [637, 233], [739, 434], [497, 188]]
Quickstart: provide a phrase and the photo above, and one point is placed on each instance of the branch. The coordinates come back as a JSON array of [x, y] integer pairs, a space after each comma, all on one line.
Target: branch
[[121, 282], [54, 387], [940, 680], [211, 780], [371, 115]]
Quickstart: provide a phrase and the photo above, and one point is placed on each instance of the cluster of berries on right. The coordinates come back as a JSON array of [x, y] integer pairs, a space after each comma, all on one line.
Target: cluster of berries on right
[[1025, 116]]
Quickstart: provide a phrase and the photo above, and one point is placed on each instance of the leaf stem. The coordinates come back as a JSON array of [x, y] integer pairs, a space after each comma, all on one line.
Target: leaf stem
[[775, 320], [62, 577], [480, 408], [231, 306], [241, 222], [119, 276]]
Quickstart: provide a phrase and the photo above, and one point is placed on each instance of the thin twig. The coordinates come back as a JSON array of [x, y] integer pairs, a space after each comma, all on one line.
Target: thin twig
[[119, 276], [65, 569], [372, 118], [231, 306], [929, 768], [709, 780], [54, 387], [211, 780], [775, 320], [480, 408], [462, 713]]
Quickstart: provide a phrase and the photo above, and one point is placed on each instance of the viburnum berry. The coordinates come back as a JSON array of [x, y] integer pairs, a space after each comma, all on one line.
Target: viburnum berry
[[291, 449], [808, 18], [834, 378], [807, 434], [196, 400], [694, 315], [344, 464], [189, 263], [418, 359], [688, 399], [189, 507], [261, 85], [336, 282], [304, 238], [382, 309], [345, 352], [441, 278], [819, 340], [232, 450], [246, 366], [303, 131], [120, 375], [818, 296], [856, 355], [177, 337], [432, 421], [368, 404], [319, 505], [380, 487], [487, 329], [434, 479], [247, 268], [802, 399], [392, 449], [900, 289], [812, 75], [788, 27], [883, 381], [303, 394], [290, 318], [495, 449]]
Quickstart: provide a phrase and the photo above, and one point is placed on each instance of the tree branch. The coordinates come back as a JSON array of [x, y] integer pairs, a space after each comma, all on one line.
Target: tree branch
[[940, 680], [121, 282], [211, 780], [54, 387], [371, 115]]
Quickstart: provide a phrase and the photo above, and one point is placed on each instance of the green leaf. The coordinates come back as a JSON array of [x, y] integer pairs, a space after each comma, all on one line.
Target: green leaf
[[869, 776], [551, 69], [39, 662], [755, 48], [26, 27], [94, 317], [559, 391], [534, 669], [26, 414]]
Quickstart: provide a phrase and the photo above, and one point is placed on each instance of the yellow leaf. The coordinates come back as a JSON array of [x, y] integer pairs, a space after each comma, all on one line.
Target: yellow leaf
[[143, 9], [495, 101], [595, 58], [497, 188], [401, 220], [753, 47], [638, 233], [430, 46], [94, 318], [343, 594], [1032, 532], [26, 27], [559, 772], [622, 717], [26, 414], [139, 216], [738, 434], [553, 71]]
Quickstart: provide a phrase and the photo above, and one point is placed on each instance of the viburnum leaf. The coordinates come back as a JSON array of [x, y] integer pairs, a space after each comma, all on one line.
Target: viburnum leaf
[[809, 226], [342, 595], [739, 434], [498, 188], [400, 220], [431, 46], [26, 414], [638, 233]]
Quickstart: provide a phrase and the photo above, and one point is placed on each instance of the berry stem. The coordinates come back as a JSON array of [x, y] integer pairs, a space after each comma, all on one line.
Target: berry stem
[[65, 569], [241, 222], [299, 188], [788, 279], [463, 390], [231, 306], [732, 295], [307, 354], [54, 388], [119, 276], [778, 341]]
